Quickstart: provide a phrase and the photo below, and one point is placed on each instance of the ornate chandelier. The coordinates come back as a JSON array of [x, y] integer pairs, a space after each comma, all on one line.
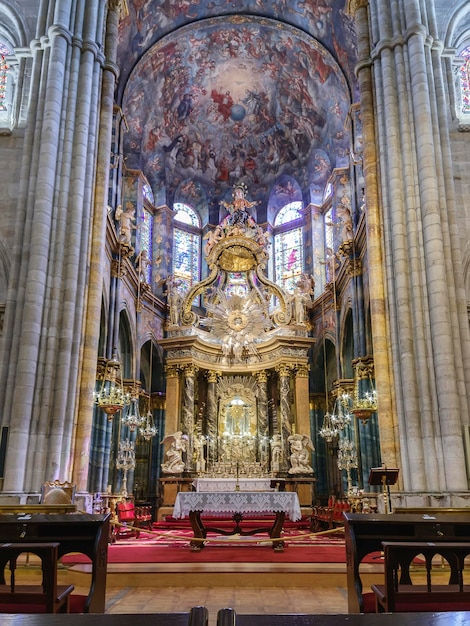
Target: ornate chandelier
[[133, 419], [111, 396], [365, 405], [329, 431], [148, 428]]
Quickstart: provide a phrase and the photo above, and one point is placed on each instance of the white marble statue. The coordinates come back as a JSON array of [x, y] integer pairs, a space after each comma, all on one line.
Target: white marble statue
[[276, 453], [174, 463], [300, 448]]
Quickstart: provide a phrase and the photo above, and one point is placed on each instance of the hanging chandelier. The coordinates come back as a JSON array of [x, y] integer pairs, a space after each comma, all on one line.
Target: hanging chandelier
[[133, 419], [365, 404], [329, 431], [111, 396], [148, 428], [341, 415]]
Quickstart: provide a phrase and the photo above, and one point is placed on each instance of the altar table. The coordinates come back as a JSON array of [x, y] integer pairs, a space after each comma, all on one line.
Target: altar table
[[230, 484], [237, 503]]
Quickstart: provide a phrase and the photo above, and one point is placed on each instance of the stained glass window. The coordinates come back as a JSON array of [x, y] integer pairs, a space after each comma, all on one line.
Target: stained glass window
[[147, 192], [329, 229], [186, 246], [465, 80], [186, 214], [146, 238], [288, 247], [4, 52], [288, 213]]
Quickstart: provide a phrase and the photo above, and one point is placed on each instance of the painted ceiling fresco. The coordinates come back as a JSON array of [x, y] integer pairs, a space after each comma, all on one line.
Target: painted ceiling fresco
[[236, 98]]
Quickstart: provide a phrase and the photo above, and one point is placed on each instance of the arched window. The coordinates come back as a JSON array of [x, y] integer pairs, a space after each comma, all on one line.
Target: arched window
[[146, 238], [5, 95], [464, 75], [288, 246], [186, 246], [147, 193]]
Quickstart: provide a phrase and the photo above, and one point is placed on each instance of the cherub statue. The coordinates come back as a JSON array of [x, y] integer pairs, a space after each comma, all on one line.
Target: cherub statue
[[174, 463], [213, 237], [300, 447], [127, 222]]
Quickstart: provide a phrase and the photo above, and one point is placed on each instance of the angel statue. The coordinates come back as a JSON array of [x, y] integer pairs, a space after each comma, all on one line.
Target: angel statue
[[174, 463], [300, 447]]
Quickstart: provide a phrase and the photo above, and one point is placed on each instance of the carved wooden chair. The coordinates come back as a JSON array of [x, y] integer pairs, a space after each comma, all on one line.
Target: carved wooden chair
[[56, 492]]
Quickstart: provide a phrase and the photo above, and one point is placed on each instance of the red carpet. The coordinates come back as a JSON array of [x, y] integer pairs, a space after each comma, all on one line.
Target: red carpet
[[173, 547]]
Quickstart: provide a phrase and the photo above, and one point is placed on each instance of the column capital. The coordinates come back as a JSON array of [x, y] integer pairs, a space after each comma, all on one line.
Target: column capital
[[261, 377], [302, 371], [213, 376], [284, 370], [190, 370], [172, 371]]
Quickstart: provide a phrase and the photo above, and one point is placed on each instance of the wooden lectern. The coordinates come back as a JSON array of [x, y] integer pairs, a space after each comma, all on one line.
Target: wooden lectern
[[384, 476]]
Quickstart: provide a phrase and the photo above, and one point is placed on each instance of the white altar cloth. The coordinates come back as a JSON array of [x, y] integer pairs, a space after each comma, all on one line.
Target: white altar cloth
[[229, 484], [221, 503]]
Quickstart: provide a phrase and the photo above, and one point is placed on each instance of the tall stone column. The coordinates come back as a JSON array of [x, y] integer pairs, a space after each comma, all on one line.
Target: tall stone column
[[401, 79], [96, 259], [187, 410], [263, 418], [211, 434], [44, 319]]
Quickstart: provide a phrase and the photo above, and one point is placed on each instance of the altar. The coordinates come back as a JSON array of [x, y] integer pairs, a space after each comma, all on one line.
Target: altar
[[230, 484], [237, 504]]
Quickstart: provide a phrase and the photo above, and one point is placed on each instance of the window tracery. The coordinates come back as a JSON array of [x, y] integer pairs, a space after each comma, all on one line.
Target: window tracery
[[464, 74], [288, 246], [4, 95], [186, 246]]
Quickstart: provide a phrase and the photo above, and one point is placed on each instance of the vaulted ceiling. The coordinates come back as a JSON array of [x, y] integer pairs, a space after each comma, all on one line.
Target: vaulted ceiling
[[216, 92]]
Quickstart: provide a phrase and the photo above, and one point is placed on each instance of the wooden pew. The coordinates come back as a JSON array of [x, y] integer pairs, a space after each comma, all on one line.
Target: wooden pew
[[49, 597], [229, 617], [74, 532], [364, 534], [197, 616], [398, 593]]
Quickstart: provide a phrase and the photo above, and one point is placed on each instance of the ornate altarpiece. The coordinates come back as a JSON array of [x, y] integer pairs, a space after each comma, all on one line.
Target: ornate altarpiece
[[236, 356]]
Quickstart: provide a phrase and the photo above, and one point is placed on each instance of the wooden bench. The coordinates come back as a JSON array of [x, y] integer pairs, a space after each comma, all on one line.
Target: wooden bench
[[49, 597], [398, 593], [197, 616], [229, 617]]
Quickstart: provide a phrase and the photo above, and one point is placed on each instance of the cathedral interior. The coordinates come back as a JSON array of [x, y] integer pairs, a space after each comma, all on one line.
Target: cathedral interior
[[235, 243]]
